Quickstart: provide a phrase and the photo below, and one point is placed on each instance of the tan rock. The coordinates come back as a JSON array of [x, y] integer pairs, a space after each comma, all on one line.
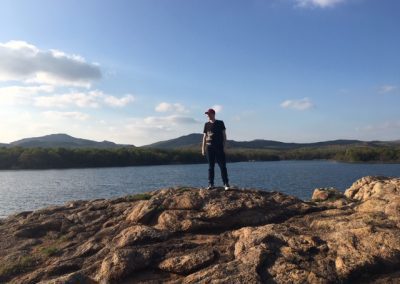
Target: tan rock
[[320, 194], [185, 235], [122, 263], [88, 248], [70, 279], [138, 234], [372, 205], [143, 211], [189, 263], [323, 194], [232, 272], [373, 187], [187, 200]]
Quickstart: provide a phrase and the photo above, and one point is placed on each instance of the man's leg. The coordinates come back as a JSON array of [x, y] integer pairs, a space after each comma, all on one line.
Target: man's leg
[[221, 160], [211, 164]]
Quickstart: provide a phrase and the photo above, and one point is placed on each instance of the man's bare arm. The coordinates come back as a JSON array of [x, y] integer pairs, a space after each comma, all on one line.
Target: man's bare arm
[[203, 146]]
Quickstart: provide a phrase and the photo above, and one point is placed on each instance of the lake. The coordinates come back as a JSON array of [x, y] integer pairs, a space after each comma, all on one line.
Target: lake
[[23, 190]]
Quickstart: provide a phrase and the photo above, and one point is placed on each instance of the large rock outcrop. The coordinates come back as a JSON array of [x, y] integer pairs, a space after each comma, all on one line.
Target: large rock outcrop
[[189, 235]]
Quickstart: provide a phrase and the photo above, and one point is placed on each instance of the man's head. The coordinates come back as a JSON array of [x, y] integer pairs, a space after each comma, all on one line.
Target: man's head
[[210, 113]]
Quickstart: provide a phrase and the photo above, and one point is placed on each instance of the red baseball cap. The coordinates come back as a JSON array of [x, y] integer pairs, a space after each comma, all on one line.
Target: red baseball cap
[[210, 110]]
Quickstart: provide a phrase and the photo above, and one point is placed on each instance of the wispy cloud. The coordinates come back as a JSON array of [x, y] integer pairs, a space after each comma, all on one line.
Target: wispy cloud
[[170, 107], [303, 104], [387, 89], [318, 3], [56, 115], [78, 99], [169, 120], [22, 95], [91, 99], [119, 102], [387, 125], [25, 90], [21, 61], [155, 128]]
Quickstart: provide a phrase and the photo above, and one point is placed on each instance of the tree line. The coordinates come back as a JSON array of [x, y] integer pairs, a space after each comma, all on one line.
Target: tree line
[[58, 158]]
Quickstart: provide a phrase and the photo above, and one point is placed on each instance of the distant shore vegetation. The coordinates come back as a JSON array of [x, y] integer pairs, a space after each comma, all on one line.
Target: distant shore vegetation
[[60, 158]]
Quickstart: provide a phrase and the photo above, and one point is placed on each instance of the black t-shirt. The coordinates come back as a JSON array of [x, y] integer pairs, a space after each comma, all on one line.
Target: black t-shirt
[[214, 132]]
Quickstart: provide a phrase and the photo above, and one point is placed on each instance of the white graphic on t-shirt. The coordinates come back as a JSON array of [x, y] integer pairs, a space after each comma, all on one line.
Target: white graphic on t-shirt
[[209, 137]]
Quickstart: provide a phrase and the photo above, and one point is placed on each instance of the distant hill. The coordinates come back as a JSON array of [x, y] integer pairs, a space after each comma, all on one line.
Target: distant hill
[[62, 140], [186, 141], [195, 139]]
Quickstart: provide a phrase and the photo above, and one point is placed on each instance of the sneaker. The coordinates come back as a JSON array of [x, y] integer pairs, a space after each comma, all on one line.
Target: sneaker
[[210, 186], [226, 186]]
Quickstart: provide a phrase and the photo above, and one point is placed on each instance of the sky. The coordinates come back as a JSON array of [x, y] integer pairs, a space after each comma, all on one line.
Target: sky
[[141, 71]]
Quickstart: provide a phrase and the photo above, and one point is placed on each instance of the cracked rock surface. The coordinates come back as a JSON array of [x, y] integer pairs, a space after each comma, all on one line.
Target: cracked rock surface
[[190, 235]]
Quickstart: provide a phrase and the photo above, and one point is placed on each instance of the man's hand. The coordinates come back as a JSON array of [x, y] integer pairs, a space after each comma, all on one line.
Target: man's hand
[[203, 152]]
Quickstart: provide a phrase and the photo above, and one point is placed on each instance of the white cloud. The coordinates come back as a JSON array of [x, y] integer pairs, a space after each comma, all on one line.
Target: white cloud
[[168, 107], [57, 115], [142, 131], [79, 99], [25, 90], [21, 61], [303, 104], [217, 108], [318, 3], [118, 102], [387, 89], [22, 95], [165, 121], [91, 99]]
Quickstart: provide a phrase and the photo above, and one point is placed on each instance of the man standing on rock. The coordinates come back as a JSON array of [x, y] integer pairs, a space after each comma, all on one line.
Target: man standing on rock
[[214, 141]]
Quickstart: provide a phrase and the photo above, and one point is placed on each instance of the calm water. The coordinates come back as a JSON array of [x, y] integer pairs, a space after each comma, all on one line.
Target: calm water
[[33, 189]]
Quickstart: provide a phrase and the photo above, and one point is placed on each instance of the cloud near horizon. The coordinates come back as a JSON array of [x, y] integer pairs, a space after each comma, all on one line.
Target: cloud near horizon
[[22, 95], [169, 120], [387, 125], [25, 90], [57, 115], [169, 107], [318, 3], [91, 99], [24, 62], [303, 104], [143, 131]]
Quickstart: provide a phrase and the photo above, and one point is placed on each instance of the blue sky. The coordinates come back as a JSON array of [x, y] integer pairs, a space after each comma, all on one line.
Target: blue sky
[[138, 72]]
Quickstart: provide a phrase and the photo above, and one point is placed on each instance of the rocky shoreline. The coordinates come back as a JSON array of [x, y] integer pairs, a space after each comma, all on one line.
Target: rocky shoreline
[[190, 235]]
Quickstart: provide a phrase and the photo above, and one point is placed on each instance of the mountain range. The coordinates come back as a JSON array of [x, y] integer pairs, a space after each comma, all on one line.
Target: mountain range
[[194, 140], [188, 141], [61, 140]]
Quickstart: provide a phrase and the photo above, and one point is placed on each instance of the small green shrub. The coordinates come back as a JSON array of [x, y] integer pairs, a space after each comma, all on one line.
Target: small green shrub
[[49, 251], [20, 265], [63, 238]]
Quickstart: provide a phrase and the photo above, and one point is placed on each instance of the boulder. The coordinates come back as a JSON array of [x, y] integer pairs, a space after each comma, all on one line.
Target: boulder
[[324, 194]]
